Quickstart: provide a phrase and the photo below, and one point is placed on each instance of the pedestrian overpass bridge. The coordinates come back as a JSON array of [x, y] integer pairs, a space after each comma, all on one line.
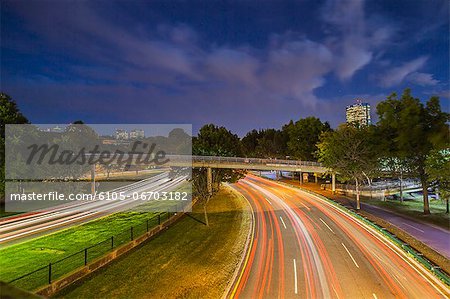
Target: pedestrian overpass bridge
[[248, 163], [216, 162], [210, 162]]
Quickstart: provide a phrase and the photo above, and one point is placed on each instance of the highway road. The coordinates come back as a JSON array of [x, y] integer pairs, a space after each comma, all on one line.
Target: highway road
[[304, 247], [24, 226]]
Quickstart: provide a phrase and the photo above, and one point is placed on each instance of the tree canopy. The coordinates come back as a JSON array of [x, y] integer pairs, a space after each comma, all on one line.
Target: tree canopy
[[413, 130], [214, 141], [9, 114], [438, 169], [304, 135], [351, 152], [266, 143]]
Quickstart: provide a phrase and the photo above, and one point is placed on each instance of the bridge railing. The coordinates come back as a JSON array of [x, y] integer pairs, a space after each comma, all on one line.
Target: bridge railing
[[257, 161], [186, 159]]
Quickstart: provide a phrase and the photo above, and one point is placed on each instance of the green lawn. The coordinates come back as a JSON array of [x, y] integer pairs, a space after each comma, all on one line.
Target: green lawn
[[10, 292], [189, 260], [19, 259]]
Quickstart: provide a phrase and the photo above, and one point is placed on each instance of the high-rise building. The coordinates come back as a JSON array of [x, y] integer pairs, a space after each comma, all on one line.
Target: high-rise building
[[137, 134], [358, 113], [121, 134]]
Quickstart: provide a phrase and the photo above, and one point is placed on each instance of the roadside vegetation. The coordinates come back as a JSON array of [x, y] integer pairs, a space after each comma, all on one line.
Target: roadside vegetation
[[9, 114], [189, 260], [10, 292], [410, 139], [214, 141]]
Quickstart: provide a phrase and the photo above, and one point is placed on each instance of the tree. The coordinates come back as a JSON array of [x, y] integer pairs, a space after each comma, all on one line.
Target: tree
[[304, 135], [266, 143], [350, 151], [9, 114], [438, 170], [386, 133], [214, 141], [250, 142], [78, 122], [415, 130], [272, 144]]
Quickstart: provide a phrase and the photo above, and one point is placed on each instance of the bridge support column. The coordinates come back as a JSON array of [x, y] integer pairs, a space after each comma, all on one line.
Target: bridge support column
[[315, 178], [209, 180], [333, 182], [93, 179], [300, 179]]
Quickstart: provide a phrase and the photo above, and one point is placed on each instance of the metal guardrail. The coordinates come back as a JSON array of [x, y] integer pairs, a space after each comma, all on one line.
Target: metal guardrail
[[376, 187], [187, 159], [254, 161]]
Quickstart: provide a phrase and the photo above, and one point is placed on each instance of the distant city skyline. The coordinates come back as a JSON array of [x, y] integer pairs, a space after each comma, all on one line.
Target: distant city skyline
[[110, 130], [242, 65]]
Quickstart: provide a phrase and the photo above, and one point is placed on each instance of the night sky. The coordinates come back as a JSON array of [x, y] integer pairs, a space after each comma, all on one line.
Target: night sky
[[243, 65]]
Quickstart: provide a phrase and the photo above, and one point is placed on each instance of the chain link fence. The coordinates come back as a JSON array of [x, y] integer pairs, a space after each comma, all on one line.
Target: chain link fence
[[55, 270]]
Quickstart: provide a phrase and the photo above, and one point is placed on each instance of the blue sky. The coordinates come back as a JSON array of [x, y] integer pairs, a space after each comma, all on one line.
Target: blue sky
[[243, 65]]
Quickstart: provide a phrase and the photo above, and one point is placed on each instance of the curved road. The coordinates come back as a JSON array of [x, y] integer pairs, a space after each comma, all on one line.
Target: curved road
[[304, 247]]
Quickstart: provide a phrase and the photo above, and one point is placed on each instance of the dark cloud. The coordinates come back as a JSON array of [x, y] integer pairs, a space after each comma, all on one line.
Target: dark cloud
[[108, 71], [398, 74]]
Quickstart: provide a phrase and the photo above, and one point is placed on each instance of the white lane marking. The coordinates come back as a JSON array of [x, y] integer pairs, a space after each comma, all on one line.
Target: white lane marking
[[268, 201], [356, 264], [337, 296], [374, 296], [282, 221], [300, 228], [419, 268], [83, 215], [413, 227], [398, 280], [326, 225], [295, 277], [305, 206]]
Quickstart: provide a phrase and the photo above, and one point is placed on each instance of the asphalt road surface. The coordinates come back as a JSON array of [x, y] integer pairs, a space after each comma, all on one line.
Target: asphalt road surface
[[435, 237], [304, 247], [431, 235]]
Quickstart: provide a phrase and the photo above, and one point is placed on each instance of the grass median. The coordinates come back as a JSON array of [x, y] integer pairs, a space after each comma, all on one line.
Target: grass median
[[189, 260]]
